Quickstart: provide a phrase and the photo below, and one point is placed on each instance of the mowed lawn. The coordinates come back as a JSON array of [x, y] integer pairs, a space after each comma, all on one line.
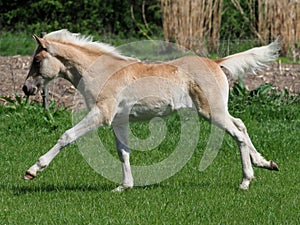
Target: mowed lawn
[[71, 192]]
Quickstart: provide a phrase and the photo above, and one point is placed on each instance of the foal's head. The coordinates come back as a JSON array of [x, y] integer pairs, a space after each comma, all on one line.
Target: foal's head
[[44, 68]]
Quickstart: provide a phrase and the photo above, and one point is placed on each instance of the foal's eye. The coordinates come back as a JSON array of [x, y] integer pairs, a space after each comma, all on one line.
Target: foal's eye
[[37, 60]]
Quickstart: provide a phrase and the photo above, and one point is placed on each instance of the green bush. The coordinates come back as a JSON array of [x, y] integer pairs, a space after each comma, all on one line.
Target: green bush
[[93, 17], [263, 102]]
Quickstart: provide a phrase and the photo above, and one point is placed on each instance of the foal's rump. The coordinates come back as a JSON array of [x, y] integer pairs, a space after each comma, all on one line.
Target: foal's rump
[[208, 85]]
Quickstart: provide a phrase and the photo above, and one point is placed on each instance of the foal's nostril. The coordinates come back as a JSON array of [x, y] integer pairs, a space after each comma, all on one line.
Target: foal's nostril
[[30, 90], [25, 90], [33, 90]]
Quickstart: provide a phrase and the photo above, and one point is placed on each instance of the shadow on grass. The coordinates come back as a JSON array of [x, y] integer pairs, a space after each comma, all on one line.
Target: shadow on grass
[[22, 187], [22, 190], [176, 185]]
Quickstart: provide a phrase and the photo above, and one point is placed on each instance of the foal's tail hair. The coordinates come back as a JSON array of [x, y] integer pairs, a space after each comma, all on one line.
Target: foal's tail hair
[[250, 60]]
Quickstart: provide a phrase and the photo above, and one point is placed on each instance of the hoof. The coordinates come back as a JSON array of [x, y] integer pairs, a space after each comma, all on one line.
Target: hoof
[[273, 166], [245, 183], [244, 187], [120, 189], [28, 176]]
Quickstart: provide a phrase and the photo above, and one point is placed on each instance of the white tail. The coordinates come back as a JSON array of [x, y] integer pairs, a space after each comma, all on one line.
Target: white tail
[[250, 60]]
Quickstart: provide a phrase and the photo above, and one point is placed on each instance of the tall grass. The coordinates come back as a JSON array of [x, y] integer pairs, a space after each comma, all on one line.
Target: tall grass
[[274, 18], [193, 23], [190, 23]]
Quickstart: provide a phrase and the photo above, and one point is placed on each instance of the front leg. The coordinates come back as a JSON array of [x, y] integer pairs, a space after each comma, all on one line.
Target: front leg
[[121, 136], [45, 96], [90, 122]]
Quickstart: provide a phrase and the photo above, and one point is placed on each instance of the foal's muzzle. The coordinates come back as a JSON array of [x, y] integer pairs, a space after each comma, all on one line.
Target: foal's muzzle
[[29, 89]]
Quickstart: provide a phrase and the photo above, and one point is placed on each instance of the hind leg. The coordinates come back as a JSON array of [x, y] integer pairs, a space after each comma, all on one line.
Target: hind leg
[[222, 119], [215, 110], [257, 159], [225, 122], [248, 174]]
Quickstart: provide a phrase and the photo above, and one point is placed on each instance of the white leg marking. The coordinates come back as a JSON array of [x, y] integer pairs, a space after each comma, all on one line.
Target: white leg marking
[[248, 173], [127, 175], [121, 135]]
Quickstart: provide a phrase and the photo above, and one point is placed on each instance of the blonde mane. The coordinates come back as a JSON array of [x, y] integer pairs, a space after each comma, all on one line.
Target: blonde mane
[[84, 41]]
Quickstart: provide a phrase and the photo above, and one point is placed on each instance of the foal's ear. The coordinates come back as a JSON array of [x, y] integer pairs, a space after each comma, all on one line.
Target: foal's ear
[[40, 41]]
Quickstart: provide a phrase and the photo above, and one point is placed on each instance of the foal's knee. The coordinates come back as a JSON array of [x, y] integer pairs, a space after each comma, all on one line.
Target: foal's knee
[[239, 124]]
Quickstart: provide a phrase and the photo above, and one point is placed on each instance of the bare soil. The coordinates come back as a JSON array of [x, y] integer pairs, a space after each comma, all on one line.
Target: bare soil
[[14, 69]]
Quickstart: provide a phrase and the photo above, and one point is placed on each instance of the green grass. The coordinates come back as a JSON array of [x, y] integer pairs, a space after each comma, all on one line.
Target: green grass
[[23, 44], [16, 44], [70, 192]]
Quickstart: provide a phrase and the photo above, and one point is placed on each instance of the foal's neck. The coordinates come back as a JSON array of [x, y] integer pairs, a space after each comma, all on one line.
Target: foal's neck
[[75, 54], [84, 61], [75, 58]]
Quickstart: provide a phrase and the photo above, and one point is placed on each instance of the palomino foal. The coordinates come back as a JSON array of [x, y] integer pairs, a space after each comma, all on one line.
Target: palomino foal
[[101, 74]]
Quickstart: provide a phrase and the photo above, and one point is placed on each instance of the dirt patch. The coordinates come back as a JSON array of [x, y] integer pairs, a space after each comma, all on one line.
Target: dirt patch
[[14, 69], [13, 72]]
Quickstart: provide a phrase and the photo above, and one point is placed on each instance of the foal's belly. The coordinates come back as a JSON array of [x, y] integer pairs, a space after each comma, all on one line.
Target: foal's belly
[[150, 107]]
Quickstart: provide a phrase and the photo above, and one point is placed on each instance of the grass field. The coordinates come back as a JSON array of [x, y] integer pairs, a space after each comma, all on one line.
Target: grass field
[[70, 192]]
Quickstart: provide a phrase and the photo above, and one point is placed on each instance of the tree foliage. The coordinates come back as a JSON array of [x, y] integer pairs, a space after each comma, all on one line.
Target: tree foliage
[[85, 16]]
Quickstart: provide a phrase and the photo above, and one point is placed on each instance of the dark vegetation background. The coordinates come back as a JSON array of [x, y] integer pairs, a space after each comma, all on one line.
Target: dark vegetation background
[[106, 17]]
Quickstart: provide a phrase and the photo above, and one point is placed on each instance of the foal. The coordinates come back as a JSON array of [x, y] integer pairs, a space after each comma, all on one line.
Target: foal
[[101, 74]]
